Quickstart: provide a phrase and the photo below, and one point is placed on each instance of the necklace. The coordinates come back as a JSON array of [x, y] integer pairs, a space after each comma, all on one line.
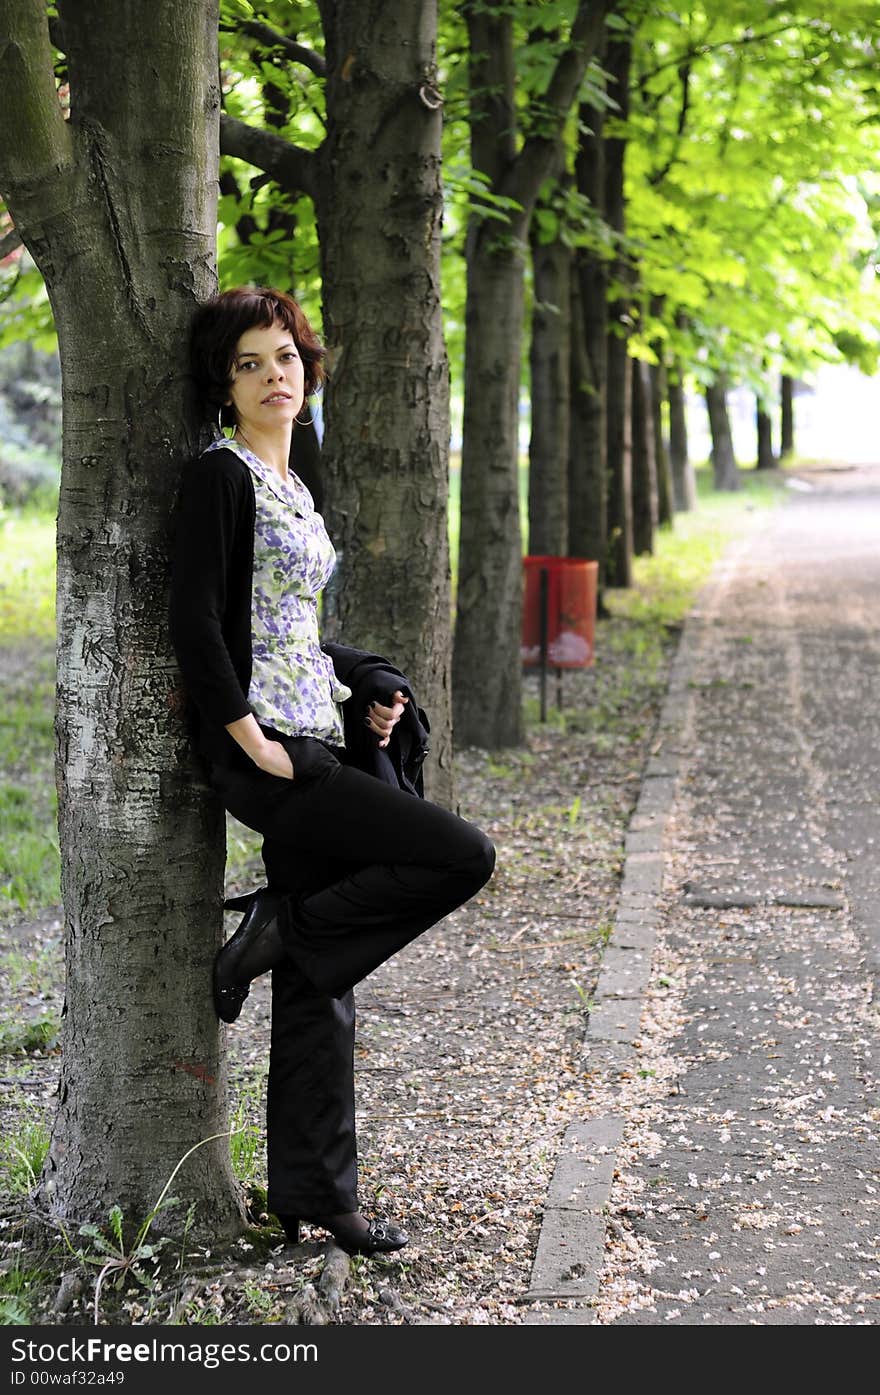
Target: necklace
[[245, 442]]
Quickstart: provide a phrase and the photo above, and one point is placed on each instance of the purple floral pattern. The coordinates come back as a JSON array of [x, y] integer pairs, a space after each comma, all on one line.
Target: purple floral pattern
[[293, 684]]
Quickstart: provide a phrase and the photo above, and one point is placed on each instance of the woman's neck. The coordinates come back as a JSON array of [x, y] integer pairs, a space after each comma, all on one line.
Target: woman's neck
[[272, 447]]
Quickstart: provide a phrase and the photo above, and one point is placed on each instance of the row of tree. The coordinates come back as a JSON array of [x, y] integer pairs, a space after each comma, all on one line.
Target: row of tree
[[656, 194]]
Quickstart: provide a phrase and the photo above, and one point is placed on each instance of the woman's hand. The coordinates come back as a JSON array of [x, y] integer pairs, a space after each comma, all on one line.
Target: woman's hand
[[273, 758], [383, 720]]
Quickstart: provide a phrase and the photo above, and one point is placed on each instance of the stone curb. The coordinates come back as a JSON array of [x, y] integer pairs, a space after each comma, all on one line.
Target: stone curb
[[571, 1246]]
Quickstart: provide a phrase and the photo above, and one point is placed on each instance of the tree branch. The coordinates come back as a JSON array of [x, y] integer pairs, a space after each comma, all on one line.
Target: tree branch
[[289, 165], [270, 38], [700, 50], [534, 161], [659, 175], [9, 242], [491, 81], [34, 140]]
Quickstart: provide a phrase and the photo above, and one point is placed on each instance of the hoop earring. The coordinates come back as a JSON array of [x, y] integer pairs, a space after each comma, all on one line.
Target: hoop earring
[[305, 423]]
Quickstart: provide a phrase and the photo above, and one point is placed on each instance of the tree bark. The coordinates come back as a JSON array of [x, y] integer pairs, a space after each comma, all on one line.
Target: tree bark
[[550, 390], [684, 488], [619, 381], [117, 208], [724, 467], [644, 464], [487, 679], [588, 450], [587, 483], [764, 429], [665, 504], [386, 447], [786, 444]]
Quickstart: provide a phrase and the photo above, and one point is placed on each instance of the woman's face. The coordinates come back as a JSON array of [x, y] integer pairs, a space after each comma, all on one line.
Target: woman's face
[[267, 378]]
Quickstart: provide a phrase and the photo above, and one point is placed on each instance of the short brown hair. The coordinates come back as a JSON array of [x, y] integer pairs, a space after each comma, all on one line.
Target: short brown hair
[[220, 323]]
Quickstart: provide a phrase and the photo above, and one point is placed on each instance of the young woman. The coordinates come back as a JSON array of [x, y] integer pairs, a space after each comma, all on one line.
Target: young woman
[[355, 867]]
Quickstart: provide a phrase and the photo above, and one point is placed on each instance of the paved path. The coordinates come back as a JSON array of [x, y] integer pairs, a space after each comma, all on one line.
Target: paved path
[[733, 1155]]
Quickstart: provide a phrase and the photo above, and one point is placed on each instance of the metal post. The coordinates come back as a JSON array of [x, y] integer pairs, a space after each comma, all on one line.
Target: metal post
[[544, 598]]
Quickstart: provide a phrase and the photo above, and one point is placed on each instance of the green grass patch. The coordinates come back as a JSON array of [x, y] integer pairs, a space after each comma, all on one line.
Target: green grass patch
[[23, 1151], [30, 867], [19, 1287], [246, 1138], [40, 1034], [27, 576]]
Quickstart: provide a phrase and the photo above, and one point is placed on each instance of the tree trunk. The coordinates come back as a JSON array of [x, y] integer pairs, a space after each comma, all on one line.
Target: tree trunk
[[619, 398], [487, 677], [117, 208], [588, 449], [786, 445], [644, 464], [386, 448], [766, 460], [550, 387], [661, 453], [684, 487], [486, 662], [724, 467], [587, 484]]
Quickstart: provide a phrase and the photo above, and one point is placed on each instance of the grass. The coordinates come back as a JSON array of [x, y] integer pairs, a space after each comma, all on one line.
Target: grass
[[29, 862], [23, 1152], [17, 1287], [27, 576]]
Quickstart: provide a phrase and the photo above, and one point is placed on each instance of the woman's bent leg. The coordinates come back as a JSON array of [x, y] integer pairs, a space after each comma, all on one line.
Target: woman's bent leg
[[412, 863]]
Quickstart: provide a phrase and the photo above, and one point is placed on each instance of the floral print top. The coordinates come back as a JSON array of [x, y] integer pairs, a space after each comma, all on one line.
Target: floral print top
[[293, 684]]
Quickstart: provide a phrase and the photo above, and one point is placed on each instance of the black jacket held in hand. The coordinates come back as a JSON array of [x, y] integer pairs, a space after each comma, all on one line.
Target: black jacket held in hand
[[210, 617], [372, 678]]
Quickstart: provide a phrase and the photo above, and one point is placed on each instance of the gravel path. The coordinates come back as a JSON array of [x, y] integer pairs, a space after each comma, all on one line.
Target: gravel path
[[746, 1185]]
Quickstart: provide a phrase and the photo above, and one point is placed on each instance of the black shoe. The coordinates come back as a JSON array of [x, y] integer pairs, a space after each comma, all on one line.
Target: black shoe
[[380, 1237], [254, 949]]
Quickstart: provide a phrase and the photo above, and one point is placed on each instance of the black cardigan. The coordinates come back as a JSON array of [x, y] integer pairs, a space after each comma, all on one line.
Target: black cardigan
[[211, 584]]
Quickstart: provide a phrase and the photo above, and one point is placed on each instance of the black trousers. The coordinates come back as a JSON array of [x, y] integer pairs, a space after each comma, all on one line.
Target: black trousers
[[367, 867]]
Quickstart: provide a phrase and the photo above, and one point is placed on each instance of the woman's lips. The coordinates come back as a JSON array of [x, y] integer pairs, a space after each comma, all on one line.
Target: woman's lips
[[275, 399]]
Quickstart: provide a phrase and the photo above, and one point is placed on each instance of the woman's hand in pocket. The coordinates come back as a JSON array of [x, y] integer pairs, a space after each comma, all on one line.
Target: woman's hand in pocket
[[273, 758]]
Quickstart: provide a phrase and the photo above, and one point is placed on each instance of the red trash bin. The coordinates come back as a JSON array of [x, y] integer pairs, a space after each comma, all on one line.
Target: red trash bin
[[572, 586]]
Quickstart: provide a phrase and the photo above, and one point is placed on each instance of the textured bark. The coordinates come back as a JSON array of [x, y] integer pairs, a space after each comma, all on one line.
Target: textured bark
[[487, 680], [724, 467], [786, 444], [385, 453], [487, 644], [587, 484], [117, 208], [644, 464], [665, 503], [619, 381], [684, 487], [550, 390], [764, 430], [588, 452]]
